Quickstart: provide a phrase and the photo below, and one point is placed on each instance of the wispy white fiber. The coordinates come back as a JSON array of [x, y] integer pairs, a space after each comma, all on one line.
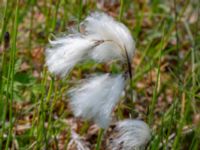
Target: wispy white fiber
[[96, 98], [65, 52], [130, 135], [101, 37], [76, 139], [115, 34]]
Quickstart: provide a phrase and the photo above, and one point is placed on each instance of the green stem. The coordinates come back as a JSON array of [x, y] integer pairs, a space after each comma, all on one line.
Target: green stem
[[99, 139], [130, 74], [121, 9], [4, 21], [12, 70], [80, 11], [55, 16]]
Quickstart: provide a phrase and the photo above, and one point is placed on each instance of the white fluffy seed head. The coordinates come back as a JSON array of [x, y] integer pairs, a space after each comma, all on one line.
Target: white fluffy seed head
[[130, 135], [77, 142], [102, 38], [115, 34], [65, 52], [96, 98]]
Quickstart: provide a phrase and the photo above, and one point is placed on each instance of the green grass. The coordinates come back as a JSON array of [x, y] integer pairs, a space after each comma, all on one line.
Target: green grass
[[166, 72]]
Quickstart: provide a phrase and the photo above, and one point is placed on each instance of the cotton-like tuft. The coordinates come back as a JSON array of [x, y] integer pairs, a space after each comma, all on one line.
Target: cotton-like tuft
[[65, 52], [102, 38], [129, 135], [96, 98], [77, 142], [116, 35]]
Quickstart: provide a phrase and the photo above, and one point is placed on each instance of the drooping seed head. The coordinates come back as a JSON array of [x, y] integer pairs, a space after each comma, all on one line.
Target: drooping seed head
[[96, 98], [129, 135]]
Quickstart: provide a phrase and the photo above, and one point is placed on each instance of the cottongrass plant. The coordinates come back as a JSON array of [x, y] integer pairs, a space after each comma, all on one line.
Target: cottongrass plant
[[102, 39], [118, 42], [77, 142], [96, 98], [129, 135], [65, 52]]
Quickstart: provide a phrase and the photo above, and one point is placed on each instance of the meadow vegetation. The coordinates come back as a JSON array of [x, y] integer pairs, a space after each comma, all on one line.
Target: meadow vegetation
[[34, 110]]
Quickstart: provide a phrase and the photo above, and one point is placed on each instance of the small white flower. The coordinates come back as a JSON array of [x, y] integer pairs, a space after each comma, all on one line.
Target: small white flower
[[65, 52], [118, 39], [130, 135], [96, 98]]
